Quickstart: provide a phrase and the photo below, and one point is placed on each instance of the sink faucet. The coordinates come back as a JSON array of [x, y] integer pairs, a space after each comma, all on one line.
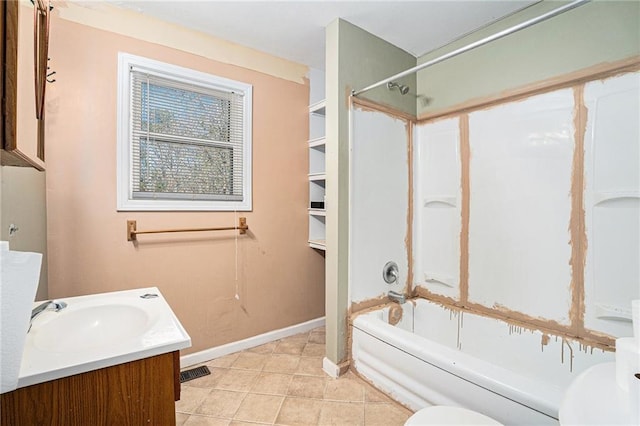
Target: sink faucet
[[54, 305]]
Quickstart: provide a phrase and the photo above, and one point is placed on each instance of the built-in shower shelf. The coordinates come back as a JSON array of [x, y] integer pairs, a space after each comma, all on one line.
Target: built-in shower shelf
[[317, 212], [439, 201], [615, 196]]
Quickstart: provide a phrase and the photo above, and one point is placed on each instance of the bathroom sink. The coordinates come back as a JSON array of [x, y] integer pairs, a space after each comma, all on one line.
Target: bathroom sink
[[90, 328], [99, 331]]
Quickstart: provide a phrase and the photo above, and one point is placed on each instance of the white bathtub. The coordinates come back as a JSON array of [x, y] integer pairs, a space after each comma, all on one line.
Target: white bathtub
[[438, 357]]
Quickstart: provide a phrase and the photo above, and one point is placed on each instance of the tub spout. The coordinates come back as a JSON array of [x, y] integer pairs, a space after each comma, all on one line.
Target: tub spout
[[394, 296]]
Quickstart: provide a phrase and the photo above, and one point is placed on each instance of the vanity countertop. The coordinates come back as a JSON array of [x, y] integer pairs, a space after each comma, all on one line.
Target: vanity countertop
[[98, 331]]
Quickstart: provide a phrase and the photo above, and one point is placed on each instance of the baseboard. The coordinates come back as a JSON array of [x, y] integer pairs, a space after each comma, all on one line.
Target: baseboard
[[251, 342], [334, 370]]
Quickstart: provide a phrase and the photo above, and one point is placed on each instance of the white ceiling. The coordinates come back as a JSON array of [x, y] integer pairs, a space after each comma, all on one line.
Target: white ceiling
[[294, 30]]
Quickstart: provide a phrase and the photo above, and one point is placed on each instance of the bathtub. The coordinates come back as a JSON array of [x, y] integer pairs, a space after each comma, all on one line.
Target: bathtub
[[434, 356]]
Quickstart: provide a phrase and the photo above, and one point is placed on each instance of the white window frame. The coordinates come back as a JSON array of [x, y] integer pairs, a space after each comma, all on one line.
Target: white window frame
[[125, 200]]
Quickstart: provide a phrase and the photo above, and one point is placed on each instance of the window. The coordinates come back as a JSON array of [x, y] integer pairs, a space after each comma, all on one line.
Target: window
[[184, 138]]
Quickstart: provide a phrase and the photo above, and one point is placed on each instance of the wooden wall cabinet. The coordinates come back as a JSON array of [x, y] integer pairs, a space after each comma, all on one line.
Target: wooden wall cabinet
[[134, 393], [22, 133]]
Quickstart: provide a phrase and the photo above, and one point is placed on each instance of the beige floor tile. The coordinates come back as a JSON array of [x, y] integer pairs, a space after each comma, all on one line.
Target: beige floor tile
[[299, 412], [272, 383], [385, 414], [317, 338], [210, 380], [282, 363], [259, 386], [307, 387], [314, 349], [224, 361], [181, 418], [300, 337], [237, 380], [342, 413], [250, 361], [196, 420], [291, 347], [221, 403], [311, 366], [372, 394], [190, 398], [267, 348], [345, 389], [259, 408]]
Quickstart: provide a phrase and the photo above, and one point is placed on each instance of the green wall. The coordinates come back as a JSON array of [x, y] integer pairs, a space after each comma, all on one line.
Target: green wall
[[355, 59], [594, 33]]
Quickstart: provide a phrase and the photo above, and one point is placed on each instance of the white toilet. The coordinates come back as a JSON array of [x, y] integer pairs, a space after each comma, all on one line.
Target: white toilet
[[443, 415]]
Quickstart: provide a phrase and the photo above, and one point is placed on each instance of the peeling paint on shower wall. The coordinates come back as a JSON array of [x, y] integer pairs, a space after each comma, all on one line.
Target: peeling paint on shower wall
[[438, 207], [520, 208], [379, 203], [575, 330]]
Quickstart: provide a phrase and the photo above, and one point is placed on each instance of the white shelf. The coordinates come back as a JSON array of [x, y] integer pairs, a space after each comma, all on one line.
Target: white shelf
[[317, 163], [314, 177], [317, 244], [317, 142], [318, 108]]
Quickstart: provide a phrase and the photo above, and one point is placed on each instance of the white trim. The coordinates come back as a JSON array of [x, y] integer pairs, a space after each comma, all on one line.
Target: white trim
[[125, 202], [330, 368], [251, 342]]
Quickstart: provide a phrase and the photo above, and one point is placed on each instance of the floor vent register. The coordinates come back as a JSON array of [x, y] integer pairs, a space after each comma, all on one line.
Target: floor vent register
[[194, 373]]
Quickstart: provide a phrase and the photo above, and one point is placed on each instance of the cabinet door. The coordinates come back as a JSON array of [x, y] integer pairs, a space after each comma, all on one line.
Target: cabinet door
[[21, 128]]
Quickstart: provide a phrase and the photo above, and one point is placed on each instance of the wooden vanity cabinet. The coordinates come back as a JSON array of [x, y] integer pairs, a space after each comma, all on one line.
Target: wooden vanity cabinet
[[21, 132], [140, 392]]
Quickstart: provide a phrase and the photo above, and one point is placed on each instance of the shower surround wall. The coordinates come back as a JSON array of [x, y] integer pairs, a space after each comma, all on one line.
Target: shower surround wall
[[548, 55], [379, 189], [499, 239], [468, 93], [278, 278]]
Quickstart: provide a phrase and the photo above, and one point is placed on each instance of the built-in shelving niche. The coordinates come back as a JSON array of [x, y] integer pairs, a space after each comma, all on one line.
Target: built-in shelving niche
[[317, 176]]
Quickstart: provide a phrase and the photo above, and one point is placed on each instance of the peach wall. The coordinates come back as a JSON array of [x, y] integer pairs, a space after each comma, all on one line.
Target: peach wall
[[280, 279]]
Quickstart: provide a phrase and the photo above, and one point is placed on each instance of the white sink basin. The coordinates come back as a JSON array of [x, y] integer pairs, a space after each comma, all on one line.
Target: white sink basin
[[99, 331], [90, 328]]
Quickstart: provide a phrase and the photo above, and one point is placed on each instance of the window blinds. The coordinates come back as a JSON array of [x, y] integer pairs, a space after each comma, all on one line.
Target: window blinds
[[186, 140]]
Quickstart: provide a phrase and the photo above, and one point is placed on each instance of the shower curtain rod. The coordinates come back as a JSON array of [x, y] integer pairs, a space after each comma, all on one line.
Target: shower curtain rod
[[475, 44]]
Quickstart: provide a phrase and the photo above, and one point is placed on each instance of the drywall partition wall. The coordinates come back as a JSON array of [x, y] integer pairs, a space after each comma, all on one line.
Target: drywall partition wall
[[278, 278], [612, 202], [599, 32], [354, 58], [520, 205], [379, 202], [437, 206], [23, 206]]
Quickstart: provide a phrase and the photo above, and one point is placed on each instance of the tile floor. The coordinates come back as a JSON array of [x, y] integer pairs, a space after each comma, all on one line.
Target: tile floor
[[282, 383]]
